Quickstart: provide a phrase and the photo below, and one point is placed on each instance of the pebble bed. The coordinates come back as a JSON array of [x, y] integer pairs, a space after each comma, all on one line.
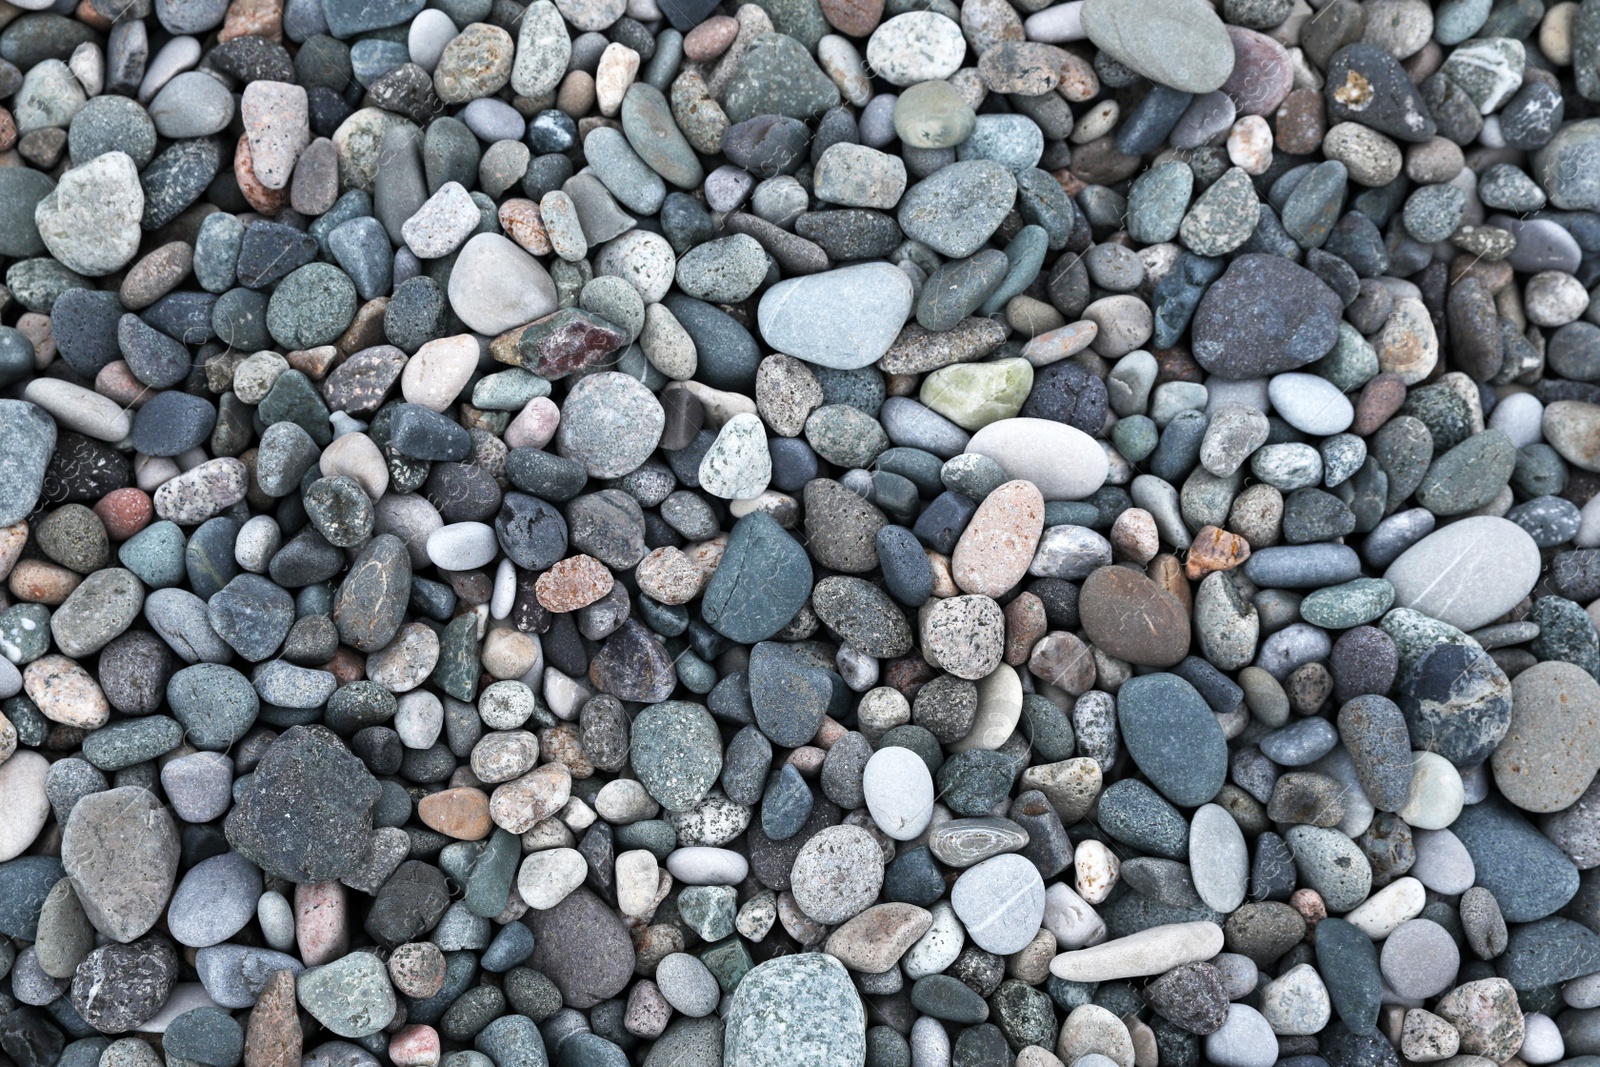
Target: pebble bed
[[799, 533]]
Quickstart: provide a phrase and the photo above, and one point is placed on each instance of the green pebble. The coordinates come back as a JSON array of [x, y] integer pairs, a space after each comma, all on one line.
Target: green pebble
[[1354, 603]]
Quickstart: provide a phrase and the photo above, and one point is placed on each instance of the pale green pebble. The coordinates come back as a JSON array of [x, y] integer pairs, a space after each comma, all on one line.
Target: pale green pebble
[[1024, 258], [1158, 200], [36, 283], [972, 395], [1456, 20], [933, 114], [972, 474], [508, 390], [1340, 607], [709, 910], [845, 436], [695, 672], [1135, 437], [155, 554], [1352, 363]]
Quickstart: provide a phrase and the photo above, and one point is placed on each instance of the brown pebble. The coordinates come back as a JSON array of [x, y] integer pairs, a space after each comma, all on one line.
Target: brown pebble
[[366, 329], [1078, 81], [573, 583], [8, 131], [1214, 549], [43, 148], [1167, 572], [908, 674], [1301, 123], [1309, 686], [36, 328], [1380, 398], [273, 1036], [807, 759], [519, 217], [576, 96], [253, 18], [459, 813], [1025, 624], [154, 276], [560, 744], [1494, 273], [1130, 617], [1176, 365], [347, 665], [314, 363], [712, 37], [1099, 162]]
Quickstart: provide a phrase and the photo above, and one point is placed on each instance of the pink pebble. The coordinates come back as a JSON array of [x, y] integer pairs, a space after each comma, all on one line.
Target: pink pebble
[[415, 1046], [1262, 74], [535, 426], [321, 925]]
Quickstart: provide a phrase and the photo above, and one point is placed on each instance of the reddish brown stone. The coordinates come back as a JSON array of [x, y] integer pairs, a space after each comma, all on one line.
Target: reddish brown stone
[[253, 18], [1025, 624], [125, 512], [1379, 400], [1300, 122], [1177, 365], [908, 674], [1214, 549], [566, 341], [347, 665]]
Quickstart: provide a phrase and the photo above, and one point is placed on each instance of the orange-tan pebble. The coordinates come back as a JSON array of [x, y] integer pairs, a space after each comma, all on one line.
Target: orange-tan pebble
[[459, 813], [519, 217], [1214, 549], [42, 582], [573, 583]]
